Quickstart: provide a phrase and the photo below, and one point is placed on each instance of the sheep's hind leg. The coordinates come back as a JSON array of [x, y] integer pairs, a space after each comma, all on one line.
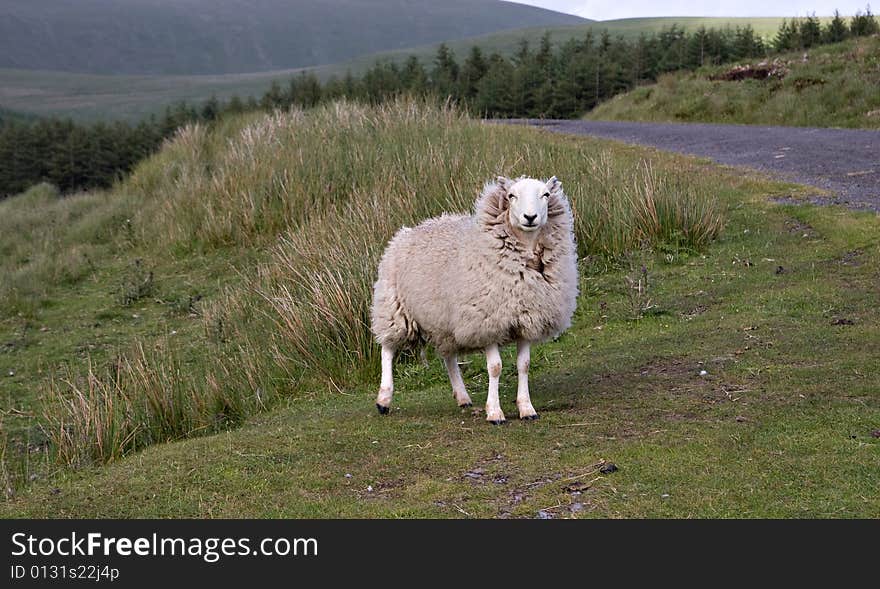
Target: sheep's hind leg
[[386, 388], [523, 401], [458, 389], [494, 415]]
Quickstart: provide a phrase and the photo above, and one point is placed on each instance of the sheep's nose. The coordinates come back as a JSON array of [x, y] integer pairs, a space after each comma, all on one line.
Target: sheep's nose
[[530, 218]]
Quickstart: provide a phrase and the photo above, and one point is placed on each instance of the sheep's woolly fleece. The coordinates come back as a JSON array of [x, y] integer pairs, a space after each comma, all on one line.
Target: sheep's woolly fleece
[[464, 282]]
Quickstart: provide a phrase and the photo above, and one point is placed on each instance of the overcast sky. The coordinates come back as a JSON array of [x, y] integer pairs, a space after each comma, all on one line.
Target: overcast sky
[[606, 10]]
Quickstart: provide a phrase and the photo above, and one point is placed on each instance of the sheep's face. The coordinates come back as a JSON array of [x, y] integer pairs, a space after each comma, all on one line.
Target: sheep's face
[[527, 202]]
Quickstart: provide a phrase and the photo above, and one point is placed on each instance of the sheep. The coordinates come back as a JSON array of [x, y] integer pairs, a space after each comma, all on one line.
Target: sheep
[[461, 283]]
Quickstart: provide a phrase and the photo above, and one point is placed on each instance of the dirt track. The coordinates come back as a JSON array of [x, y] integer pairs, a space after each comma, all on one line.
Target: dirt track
[[845, 162]]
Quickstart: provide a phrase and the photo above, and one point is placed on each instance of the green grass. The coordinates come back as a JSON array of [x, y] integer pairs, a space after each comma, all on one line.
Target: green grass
[[780, 426], [838, 86], [90, 97]]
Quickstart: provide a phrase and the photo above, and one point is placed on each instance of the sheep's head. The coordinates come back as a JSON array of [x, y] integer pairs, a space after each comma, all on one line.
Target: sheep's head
[[524, 208], [527, 201]]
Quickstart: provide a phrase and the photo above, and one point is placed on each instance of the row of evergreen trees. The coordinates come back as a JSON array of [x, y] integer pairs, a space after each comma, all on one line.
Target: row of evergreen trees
[[808, 32], [543, 81], [547, 81], [75, 156]]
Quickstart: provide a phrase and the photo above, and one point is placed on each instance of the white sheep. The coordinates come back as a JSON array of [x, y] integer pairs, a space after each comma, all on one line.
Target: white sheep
[[476, 282]]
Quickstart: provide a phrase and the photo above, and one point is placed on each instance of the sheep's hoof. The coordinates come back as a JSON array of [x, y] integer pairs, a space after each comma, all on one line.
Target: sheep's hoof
[[466, 405], [530, 417], [497, 421], [382, 409]]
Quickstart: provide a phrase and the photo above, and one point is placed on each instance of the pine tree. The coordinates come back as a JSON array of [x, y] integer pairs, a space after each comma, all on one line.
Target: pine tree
[[472, 71], [697, 48], [672, 49], [544, 57], [444, 76], [234, 106], [836, 30], [350, 87], [604, 41], [523, 54], [145, 138], [648, 58], [414, 77], [546, 88], [722, 42], [17, 158], [863, 25], [274, 97], [304, 90], [788, 36], [381, 82], [746, 44], [810, 31], [524, 81], [7, 150], [494, 91], [210, 109]]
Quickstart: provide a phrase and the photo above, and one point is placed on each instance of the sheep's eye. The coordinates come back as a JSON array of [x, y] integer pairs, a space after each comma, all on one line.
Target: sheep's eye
[[545, 195], [511, 196]]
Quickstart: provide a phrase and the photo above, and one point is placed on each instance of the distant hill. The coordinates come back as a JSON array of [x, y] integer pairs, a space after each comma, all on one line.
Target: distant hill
[[237, 36], [89, 97]]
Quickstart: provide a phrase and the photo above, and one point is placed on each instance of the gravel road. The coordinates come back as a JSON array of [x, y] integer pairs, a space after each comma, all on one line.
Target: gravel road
[[845, 162]]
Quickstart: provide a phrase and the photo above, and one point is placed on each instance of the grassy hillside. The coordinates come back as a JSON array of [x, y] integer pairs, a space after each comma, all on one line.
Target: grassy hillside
[[764, 26], [226, 283], [231, 36], [507, 42], [91, 97], [837, 86]]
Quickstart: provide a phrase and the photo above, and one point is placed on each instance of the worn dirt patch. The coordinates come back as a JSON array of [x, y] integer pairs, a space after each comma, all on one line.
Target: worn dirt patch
[[798, 227], [487, 470], [574, 485], [380, 489], [694, 312], [851, 258], [692, 386], [669, 367]]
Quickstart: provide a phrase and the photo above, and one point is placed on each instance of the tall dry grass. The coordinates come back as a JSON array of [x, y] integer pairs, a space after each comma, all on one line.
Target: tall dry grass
[[144, 397], [320, 193]]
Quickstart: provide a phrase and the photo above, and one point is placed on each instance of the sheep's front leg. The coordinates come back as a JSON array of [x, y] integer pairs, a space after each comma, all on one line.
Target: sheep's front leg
[[386, 388], [494, 415], [457, 382], [523, 402]]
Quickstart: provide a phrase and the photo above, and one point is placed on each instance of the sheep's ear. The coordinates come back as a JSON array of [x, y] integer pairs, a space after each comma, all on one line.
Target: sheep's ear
[[503, 185], [554, 185]]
